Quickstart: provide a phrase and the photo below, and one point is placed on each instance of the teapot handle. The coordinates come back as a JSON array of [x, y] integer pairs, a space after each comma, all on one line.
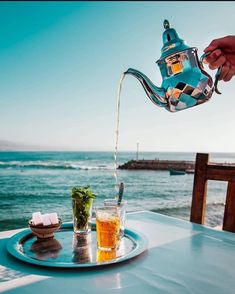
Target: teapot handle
[[216, 75]]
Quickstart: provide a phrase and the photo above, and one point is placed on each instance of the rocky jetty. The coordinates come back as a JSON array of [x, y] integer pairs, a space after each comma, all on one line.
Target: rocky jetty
[[156, 164]]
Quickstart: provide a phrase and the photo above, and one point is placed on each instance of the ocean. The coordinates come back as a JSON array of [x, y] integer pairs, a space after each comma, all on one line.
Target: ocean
[[42, 181]]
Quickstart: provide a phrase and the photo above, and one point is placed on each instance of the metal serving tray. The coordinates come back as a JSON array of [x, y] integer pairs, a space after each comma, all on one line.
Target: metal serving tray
[[69, 250]]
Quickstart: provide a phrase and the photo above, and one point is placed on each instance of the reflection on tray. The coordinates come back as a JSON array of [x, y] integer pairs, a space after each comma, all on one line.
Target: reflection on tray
[[82, 251], [46, 248], [103, 256]]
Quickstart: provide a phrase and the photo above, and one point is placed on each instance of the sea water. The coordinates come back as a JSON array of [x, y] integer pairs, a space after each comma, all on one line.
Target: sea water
[[42, 181]]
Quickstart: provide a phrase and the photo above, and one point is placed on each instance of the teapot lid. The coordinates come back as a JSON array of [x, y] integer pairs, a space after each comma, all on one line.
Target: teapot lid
[[171, 41]]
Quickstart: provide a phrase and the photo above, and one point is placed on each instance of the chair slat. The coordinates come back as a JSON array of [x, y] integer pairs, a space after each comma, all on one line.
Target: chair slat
[[220, 172], [229, 212], [205, 171], [199, 189]]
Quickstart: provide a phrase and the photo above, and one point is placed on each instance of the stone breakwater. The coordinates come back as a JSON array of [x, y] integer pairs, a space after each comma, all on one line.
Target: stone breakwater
[[156, 164]]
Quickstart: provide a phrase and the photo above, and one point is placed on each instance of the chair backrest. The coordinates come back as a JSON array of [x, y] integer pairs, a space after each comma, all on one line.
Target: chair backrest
[[204, 171]]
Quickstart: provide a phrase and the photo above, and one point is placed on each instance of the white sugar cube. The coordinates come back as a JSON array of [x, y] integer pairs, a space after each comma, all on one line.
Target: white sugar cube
[[46, 219], [37, 218], [53, 218]]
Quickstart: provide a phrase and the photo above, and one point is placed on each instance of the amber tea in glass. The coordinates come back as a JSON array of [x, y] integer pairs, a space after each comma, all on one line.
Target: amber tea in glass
[[107, 228], [122, 210]]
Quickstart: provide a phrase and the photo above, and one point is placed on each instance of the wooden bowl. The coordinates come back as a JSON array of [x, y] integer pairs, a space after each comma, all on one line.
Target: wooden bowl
[[44, 232]]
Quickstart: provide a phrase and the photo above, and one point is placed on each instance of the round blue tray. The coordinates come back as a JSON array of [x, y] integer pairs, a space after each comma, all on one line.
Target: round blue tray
[[68, 250]]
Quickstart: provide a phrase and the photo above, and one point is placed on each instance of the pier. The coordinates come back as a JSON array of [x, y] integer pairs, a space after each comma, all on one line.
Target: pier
[[156, 164]]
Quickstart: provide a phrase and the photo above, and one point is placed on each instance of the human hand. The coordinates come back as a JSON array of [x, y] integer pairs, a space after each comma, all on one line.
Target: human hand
[[222, 55]]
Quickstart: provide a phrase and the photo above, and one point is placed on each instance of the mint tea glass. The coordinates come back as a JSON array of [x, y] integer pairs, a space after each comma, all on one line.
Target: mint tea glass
[[122, 211], [107, 228]]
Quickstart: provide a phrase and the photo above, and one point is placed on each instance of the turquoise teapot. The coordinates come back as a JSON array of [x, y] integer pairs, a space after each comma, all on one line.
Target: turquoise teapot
[[185, 82]]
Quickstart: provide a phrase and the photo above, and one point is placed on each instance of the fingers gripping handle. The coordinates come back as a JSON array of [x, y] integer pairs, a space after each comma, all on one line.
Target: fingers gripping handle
[[217, 75]]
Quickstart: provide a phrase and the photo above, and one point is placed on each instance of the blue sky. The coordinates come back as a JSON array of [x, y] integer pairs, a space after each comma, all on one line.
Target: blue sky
[[60, 63]]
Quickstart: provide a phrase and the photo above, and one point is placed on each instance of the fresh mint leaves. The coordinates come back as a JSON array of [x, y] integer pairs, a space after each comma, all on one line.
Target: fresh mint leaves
[[82, 198]]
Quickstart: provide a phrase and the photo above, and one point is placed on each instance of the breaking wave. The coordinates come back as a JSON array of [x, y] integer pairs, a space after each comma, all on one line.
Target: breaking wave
[[51, 165]]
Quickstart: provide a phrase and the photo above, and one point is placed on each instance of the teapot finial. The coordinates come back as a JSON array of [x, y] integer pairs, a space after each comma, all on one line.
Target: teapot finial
[[172, 43], [166, 24]]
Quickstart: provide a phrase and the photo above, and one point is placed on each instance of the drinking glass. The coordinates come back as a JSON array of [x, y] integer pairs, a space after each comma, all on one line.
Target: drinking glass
[[107, 227], [122, 209], [82, 212]]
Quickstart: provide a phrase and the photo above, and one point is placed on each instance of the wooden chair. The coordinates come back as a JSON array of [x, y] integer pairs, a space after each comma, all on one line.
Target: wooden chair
[[204, 171]]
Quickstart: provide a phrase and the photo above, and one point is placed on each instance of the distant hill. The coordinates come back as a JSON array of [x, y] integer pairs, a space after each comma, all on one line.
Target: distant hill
[[6, 145]]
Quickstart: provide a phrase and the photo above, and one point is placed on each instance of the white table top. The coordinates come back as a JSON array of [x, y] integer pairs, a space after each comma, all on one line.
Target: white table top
[[181, 258]]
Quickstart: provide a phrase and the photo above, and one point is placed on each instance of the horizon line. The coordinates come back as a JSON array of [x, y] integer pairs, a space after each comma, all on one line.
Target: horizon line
[[112, 151]]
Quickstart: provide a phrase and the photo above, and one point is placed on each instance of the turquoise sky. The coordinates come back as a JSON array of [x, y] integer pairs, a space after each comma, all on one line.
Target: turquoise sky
[[60, 63]]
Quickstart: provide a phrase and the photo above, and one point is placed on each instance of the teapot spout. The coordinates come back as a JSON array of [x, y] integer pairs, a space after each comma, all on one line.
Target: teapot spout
[[155, 94]]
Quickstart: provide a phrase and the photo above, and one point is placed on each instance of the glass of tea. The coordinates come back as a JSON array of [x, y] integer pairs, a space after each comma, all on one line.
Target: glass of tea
[[107, 227], [122, 207]]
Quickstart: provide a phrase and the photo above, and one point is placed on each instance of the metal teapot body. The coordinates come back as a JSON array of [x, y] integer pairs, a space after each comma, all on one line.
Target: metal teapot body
[[184, 81]]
